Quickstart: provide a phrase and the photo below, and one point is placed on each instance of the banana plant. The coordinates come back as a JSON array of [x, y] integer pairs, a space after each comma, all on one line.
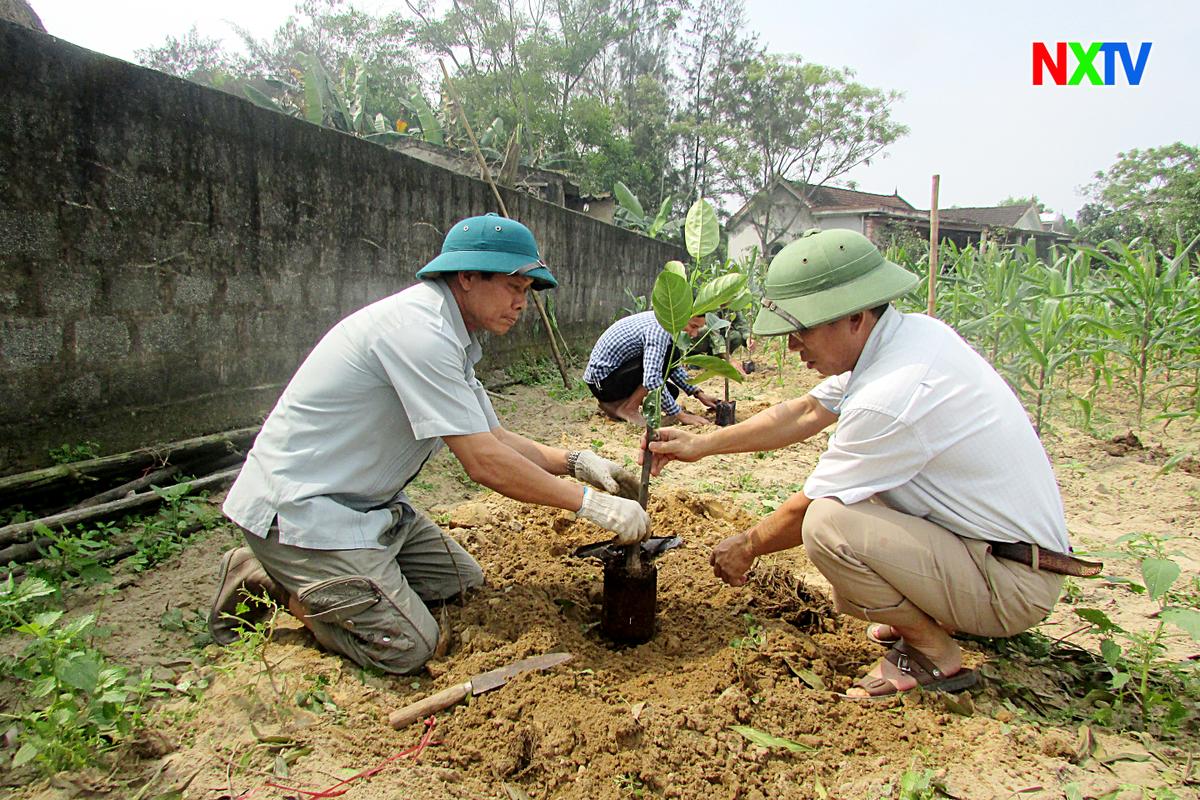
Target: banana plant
[[630, 214]]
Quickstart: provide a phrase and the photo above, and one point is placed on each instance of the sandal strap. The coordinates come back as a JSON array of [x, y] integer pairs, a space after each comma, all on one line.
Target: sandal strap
[[912, 661]]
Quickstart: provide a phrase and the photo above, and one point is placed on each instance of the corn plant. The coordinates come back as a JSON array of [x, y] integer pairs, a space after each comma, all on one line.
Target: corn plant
[[1151, 311]]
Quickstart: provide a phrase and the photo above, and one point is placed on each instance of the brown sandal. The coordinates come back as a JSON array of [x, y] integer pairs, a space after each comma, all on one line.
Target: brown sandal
[[928, 675]]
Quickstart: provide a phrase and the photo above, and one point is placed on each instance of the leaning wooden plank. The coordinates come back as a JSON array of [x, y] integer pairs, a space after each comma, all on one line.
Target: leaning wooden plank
[[23, 531], [125, 489], [64, 484], [26, 551]]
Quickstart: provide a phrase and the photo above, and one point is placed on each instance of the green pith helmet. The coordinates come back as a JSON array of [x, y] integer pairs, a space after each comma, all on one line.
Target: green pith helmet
[[827, 275], [491, 243]]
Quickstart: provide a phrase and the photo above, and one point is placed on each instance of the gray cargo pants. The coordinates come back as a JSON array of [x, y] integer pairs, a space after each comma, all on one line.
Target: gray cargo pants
[[369, 605]]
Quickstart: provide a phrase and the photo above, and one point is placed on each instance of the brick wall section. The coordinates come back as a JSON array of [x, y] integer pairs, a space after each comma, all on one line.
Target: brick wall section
[[170, 253]]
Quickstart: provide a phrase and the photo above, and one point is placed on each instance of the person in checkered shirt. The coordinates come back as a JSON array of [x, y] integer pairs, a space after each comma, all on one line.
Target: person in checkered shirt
[[631, 359]]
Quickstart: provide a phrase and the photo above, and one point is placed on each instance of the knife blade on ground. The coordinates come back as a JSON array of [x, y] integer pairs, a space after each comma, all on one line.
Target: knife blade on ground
[[478, 684]]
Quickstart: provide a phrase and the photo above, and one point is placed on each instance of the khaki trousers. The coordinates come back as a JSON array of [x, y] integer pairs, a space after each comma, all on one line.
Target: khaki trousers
[[887, 566], [369, 605]]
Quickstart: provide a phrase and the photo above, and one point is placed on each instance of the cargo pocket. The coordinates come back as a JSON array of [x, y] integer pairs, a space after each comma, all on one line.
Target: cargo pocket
[[355, 617], [338, 600]]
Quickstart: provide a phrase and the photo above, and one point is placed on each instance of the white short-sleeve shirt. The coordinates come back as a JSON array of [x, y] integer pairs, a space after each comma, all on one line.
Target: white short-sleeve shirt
[[927, 424], [358, 420]]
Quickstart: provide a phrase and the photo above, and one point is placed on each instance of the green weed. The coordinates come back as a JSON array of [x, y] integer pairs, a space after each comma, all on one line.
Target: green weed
[[755, 638], [1145, 688], [69, 555], [628, 783], [70, 453], [76, 707]]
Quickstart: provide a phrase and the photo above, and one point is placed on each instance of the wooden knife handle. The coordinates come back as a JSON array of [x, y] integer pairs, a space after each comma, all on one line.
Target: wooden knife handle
[[436, 702]]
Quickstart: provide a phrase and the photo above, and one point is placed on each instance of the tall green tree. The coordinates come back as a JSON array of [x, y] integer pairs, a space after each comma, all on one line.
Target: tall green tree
[[805, 123], [1152, 193], [715, 51]]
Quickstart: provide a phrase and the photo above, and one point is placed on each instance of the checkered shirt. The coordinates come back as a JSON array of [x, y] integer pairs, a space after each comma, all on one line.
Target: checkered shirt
[[639, 334]]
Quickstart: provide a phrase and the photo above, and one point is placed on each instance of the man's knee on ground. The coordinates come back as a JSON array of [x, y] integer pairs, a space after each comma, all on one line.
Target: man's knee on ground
[[354, 616]]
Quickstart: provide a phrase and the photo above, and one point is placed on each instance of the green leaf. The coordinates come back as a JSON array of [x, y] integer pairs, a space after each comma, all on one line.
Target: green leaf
[[628, 201], [1111, 652], [260, 99], [672, 301], [741, 302], [659, 221], [677, 267], [1186, 618], [431, 129], [27, 753], [46, 619], [767, 740], [314, 108], [1159, 574], [701, 230], [710, 366], [82, 671], [718, 292], [1097, 618]]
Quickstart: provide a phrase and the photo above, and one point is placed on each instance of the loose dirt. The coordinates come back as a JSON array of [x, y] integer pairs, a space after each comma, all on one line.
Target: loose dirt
[[655, 720]]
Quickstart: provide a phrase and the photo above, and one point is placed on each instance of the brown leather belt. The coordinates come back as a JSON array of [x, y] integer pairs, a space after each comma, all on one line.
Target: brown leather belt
[[1049, 560]]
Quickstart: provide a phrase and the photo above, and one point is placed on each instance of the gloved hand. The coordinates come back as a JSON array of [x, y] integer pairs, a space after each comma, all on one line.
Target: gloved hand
[[604, 474], [625, 518]]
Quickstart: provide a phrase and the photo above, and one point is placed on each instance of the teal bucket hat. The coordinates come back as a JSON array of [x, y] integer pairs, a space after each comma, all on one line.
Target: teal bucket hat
[[491, 243], [827, 275]]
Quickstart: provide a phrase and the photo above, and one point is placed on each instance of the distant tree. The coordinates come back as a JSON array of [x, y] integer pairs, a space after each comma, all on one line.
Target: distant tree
[[369, 58], [191, 56], [805, 123], [1026, 201], [1154, 193], [714, 50]]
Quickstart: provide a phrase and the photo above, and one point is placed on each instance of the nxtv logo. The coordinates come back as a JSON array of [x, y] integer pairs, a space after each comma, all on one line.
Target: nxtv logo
[[1085, 63]]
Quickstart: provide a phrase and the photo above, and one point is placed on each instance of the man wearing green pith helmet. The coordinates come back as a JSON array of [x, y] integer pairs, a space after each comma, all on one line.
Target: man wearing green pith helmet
[[330, 534], [934, 508]]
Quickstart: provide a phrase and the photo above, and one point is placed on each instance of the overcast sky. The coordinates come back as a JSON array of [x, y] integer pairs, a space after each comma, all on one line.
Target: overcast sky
[[964, 68]]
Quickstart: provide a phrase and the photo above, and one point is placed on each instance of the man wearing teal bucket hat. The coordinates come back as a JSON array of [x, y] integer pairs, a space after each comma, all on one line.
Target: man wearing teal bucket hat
[[934, 508], [330, 534]]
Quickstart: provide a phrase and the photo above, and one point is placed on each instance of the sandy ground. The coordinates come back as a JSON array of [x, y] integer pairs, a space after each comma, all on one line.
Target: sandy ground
[[655, 720]]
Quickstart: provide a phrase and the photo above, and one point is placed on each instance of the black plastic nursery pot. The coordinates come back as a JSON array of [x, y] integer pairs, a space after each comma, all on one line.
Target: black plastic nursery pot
[[726, 412], [630, 602]]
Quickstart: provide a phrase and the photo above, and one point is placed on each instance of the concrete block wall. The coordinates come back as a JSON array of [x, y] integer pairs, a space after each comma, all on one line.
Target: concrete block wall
[[170, 253]]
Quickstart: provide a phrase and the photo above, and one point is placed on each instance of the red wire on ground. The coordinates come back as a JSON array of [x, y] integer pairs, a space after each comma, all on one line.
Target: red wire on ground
[[336, 790]]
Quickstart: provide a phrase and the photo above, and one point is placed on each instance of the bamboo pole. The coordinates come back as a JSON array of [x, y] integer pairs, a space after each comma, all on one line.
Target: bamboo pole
[[933, 245], [487, 176]]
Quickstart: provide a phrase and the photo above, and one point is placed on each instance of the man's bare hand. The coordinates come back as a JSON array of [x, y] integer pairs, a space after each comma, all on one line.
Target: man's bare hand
[[671, 444], [732, 558], [686, 418], [706, 400]]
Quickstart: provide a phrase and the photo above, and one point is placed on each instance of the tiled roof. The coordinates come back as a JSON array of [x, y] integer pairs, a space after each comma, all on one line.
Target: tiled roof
[[824, 198], [1008, 216]]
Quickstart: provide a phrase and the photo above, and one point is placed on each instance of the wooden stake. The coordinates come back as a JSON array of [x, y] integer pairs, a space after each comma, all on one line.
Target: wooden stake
[[487, 176], [933, 245]]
